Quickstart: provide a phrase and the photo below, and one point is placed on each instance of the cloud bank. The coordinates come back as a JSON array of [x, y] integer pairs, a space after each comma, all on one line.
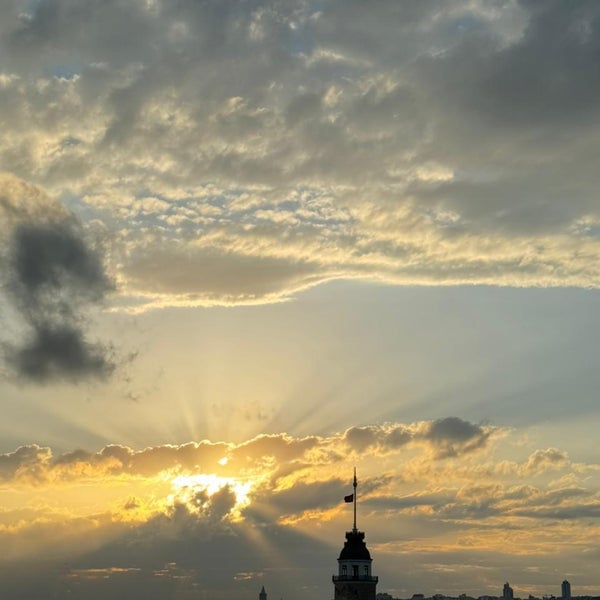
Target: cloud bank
[[223, 516], [244, 153]]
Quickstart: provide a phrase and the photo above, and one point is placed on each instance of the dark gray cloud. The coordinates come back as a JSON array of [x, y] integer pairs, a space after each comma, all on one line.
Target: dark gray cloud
[[452, 436], [52, 275], [58, 352], [305, 496], [387, 439], [447, 437], [46, 259], [548, 77]]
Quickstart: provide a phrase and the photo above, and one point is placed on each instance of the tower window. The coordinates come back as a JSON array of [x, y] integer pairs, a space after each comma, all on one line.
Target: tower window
[[355, 571]]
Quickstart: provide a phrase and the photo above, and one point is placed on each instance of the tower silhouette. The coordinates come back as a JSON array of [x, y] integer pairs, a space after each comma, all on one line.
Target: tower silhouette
[[354, 580]]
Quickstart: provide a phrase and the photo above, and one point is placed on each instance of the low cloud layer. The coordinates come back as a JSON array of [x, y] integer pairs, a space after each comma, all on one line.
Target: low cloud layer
[[246, 153], [50, 276], [270, 509], [280, 454]]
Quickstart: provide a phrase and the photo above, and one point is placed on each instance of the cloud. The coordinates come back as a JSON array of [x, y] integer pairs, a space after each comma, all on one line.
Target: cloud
[[446, 437], [452, 436], [577, 511], [36, 465], [124, 513], [30, 459], [214, 276], [282, 447], [434, 144], [545, 78], [283, 465], [542, 460], [51, 275], [23, 202], [387, 438], [200, 513], [301, 500], [57, 352]]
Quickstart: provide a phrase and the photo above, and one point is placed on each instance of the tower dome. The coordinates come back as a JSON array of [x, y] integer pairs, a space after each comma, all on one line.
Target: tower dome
[[355, 547]]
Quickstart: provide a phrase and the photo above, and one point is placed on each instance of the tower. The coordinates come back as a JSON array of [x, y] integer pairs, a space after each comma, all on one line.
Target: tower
[[263, 594], [565, 590], [354, 580], [507, 592]]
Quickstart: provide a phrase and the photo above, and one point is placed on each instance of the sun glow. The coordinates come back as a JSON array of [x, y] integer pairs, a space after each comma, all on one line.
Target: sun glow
[[187, 488]]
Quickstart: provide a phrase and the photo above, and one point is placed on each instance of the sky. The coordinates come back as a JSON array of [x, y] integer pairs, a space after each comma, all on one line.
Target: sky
[[246, 247]]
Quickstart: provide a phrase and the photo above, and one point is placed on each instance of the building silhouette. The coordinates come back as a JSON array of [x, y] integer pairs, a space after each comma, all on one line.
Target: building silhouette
[[354, 580], [507, 592], [565, 590]]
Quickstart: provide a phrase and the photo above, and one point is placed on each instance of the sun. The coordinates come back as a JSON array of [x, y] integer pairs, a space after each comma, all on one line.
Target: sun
[[185, 487]]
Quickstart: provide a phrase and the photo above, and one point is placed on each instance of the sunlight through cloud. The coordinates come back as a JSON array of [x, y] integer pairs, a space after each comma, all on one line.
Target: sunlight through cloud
[[192, 489]]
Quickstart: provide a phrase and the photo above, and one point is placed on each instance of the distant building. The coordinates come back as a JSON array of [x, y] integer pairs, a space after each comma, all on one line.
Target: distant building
[[263, 594], [507, 592], [565, 590], [354, 580]]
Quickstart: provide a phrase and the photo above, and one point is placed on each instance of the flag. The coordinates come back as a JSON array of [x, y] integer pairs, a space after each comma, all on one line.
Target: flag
[[349, 498]]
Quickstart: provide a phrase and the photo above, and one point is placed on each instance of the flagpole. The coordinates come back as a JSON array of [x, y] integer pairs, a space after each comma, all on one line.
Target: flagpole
[[354, 484]]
